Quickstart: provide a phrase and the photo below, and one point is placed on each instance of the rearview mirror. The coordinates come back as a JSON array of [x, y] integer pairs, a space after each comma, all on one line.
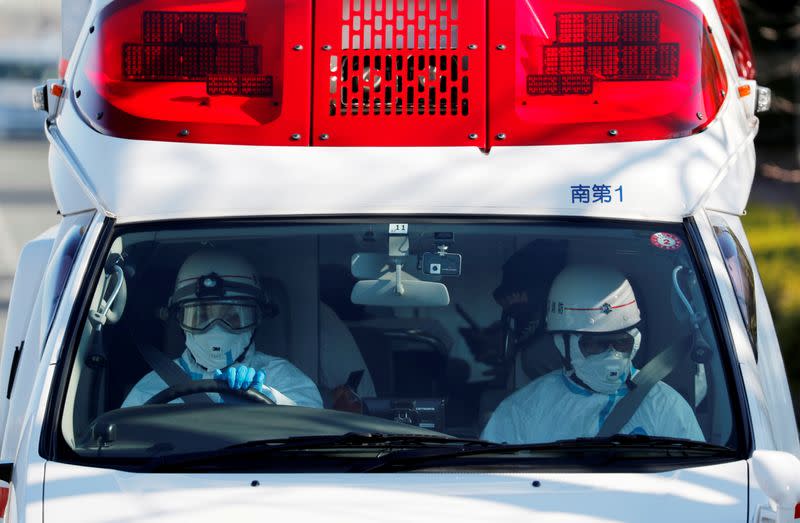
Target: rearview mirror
[[371, 265], [383, 293]]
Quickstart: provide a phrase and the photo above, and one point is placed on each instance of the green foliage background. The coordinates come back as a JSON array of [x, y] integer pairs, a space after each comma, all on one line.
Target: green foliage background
[[774, 236]]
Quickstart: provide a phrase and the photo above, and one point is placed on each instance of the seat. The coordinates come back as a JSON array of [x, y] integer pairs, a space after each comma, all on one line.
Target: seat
[[340, 355]]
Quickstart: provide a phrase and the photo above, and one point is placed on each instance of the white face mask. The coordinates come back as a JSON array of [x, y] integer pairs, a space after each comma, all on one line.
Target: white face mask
[[605, 373], [217, 347]]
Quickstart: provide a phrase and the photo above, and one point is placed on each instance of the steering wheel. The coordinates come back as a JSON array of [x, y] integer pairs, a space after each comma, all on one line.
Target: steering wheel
[[203, 386]]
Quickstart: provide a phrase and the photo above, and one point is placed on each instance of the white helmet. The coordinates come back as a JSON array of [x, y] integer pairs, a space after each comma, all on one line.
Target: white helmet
[[218, 302], [588, 298], [593, 314], [215, 273]]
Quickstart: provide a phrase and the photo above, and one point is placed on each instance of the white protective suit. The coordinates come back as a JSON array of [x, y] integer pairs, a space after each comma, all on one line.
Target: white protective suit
[[285, 383], [553, 407]]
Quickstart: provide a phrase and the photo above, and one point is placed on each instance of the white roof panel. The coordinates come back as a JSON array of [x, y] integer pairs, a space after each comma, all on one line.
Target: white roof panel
[[660, 180]]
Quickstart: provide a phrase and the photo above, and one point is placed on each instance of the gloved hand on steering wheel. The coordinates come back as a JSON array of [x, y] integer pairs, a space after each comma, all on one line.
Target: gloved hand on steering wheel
[[242, 377]]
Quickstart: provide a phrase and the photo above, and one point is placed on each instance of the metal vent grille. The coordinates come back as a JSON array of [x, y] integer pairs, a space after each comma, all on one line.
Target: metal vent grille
[[386, 84], [431, 81], [407, 63], [399, 24]]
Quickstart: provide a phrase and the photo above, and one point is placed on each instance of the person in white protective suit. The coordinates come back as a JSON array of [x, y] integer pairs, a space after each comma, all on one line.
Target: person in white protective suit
[[593, 317], [218, 302]]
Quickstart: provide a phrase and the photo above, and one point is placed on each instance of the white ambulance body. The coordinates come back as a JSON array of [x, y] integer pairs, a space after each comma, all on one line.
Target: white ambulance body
[[408, 178]]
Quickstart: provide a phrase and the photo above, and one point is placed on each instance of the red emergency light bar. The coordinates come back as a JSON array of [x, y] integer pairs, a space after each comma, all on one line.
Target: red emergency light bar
[[400, 72]]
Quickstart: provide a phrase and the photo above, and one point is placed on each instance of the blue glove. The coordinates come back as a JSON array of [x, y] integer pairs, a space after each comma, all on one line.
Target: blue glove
[[241, 378]]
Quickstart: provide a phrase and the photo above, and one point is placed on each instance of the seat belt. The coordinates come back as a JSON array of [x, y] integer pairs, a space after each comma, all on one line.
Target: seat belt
[[170, 372], [654, 371]]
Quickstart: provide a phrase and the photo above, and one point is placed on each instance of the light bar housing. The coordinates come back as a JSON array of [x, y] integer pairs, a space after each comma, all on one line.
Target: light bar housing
[[227, 71], [400, 72]]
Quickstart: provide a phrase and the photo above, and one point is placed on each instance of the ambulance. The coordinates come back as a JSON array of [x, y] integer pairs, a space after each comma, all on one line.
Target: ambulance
[[398, 260]]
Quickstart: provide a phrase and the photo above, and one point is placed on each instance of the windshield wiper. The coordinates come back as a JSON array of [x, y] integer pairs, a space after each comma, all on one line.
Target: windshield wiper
[[357, 439], [611, 448], [350, 440], [623, 441]]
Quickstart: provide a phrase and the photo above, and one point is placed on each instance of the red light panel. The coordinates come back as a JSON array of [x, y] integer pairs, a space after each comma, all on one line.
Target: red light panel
[[588, 72], [164, 27], [736, 30], [209, 71], [559, 84], [609, 46]]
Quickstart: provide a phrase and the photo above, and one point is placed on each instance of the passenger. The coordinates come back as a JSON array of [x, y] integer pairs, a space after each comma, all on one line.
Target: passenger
[[593, 317], [218, 303]]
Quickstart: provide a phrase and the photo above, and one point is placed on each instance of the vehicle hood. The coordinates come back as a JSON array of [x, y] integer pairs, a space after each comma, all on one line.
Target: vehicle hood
[[713, 493]]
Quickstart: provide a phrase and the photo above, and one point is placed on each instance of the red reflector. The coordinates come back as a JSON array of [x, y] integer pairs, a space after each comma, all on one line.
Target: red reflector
[[3, 501], [797, 511], [62, 67], [612, 70], [228, 71]]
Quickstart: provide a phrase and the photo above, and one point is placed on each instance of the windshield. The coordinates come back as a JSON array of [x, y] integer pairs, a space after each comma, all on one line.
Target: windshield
[[199, 339]]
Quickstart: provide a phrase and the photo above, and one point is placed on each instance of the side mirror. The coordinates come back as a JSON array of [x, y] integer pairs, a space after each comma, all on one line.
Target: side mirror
[[778, 475]]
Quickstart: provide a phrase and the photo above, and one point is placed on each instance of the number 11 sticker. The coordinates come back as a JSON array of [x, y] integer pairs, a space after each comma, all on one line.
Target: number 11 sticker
[[398, 228]]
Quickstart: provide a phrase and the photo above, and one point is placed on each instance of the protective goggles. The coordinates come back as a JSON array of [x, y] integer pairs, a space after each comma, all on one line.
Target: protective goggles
[[235, 314], [592, 343]]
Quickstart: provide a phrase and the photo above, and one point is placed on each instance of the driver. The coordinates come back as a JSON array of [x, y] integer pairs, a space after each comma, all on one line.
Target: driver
[[218, 302], [593, 317]]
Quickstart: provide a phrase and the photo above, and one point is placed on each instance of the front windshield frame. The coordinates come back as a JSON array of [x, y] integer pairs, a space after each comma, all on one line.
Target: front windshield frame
[[53, 446]]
